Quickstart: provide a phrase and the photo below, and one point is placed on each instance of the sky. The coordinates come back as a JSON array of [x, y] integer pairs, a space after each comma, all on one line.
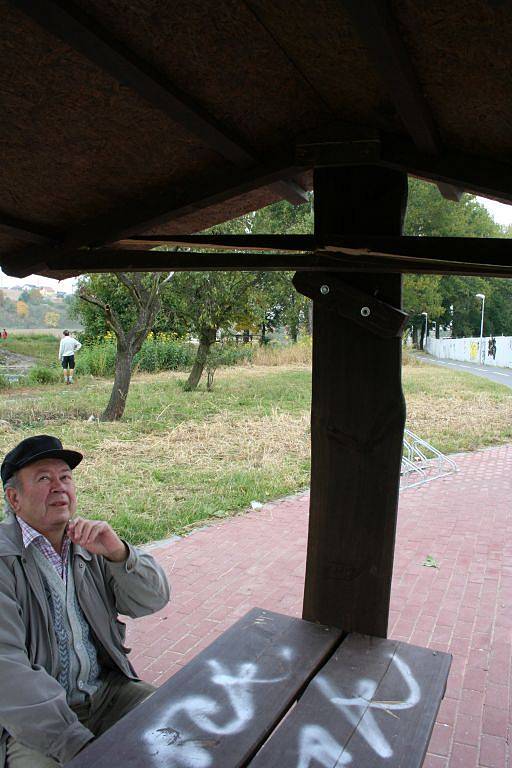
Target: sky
[[499, 211]]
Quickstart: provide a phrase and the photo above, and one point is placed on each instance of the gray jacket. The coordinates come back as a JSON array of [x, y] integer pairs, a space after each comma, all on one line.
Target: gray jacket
[[33, 707]]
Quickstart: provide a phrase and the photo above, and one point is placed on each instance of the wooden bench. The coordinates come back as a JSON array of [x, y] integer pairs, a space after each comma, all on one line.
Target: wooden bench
[[279, 691]]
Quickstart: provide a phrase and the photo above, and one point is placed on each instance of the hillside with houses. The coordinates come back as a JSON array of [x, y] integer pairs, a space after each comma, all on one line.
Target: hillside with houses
[[29, 306]]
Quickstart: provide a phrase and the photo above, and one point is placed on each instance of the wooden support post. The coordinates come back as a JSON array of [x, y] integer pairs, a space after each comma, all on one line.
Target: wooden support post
[[358, 411]]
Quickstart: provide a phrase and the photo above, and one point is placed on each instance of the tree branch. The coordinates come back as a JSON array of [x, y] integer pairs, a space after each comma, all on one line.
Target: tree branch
[[110, 316]]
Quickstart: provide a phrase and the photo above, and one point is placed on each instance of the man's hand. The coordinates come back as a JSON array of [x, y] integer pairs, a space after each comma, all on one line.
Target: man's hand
[[97, 537]]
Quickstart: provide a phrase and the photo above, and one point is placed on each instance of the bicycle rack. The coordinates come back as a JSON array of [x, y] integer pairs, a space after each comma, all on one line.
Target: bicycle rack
[[421, 462]]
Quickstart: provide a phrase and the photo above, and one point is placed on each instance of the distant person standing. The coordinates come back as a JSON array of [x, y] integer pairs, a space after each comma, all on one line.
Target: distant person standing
[[67, 349], [4, 333]]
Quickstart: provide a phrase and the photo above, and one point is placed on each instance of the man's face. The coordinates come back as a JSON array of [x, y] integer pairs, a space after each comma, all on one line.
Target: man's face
[[45, 497]]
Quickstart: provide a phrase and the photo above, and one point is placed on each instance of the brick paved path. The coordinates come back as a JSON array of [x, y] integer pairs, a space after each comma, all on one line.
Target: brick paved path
[[463, 606]]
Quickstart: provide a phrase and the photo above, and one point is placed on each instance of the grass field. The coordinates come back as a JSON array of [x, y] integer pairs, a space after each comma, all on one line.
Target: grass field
[[43, 347], [179, 458]]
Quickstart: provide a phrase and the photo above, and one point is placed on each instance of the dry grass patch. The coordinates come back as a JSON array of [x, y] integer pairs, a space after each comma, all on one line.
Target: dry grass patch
[[216, 443], [457, 411], [290, 354], [162, 483]]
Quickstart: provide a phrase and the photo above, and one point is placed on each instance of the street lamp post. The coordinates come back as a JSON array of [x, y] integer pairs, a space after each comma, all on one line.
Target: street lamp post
[[482, 355], [426, 328]]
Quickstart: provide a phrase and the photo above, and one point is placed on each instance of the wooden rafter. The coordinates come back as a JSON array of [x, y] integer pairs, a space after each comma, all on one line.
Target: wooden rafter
[[480, 175], [140, 216], [394, 254], [24, 230], [94, 42], [466, 250], [282, 243], [377, 27]]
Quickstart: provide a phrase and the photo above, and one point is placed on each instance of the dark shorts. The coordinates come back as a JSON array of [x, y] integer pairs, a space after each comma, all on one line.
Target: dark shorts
[[68, 361]]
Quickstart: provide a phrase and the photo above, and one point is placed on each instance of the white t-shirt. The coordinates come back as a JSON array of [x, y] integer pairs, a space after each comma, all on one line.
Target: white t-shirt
[[68, 346]]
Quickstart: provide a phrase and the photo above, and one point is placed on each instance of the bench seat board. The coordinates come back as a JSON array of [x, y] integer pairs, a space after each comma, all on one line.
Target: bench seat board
[[218, 709], [373, 704]]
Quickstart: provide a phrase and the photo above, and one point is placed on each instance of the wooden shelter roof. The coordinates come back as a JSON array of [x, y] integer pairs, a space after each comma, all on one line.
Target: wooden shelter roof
[[143, 117]]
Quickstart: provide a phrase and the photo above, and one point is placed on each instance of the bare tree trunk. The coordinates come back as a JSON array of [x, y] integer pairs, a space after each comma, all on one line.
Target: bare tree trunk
[[206, 339], [122, 378]]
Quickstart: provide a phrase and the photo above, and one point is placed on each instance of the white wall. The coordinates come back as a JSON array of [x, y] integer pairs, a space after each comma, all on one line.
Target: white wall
[[469, 350]]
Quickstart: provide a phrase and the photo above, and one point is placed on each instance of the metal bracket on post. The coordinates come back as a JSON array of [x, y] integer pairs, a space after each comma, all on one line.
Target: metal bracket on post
[[333, 294]]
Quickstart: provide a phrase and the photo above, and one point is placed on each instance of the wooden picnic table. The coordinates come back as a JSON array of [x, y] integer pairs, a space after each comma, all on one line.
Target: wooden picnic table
[[275, 690]]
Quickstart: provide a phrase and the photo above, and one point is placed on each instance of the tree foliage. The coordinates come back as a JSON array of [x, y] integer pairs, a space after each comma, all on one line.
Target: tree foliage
[[450, 299], [128, 305]]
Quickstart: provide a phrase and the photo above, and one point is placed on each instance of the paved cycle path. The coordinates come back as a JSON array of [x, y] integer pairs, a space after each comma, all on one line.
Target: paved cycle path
[[491, 372], [464, 522]]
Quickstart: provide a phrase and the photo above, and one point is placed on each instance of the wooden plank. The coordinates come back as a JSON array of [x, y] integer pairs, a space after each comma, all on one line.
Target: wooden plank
[[365, 310], [490, 177], [149, 214], [226, 262], [349, 258], [373, 705], [94, 42], [218, 709], [25, 230], [342, 265], [288, 243], [464, 250], [377, 27], [357, 420]]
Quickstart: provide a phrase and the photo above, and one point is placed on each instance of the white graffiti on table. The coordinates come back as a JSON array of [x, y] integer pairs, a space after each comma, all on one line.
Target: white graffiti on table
[[318, 747], [225, 715]]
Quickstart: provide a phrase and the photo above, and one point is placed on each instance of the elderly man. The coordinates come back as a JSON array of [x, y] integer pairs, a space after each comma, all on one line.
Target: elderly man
[[64, 674]]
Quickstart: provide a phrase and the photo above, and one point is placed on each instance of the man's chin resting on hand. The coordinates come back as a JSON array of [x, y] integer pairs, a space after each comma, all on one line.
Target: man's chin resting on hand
[[62, 655]]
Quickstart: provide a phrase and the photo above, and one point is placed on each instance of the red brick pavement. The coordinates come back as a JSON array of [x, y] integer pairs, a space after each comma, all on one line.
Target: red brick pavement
[[463, 606]]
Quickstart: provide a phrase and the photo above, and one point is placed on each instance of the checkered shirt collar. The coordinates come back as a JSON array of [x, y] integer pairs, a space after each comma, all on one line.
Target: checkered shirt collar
[[30, 535]]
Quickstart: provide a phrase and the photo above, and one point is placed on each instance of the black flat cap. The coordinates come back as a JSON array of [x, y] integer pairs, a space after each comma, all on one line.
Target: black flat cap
[[33, 449]]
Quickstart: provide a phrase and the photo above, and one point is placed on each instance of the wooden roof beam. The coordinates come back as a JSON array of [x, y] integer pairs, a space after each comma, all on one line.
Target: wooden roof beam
[[377, 28], [140, 216], [24, 231], [437, 255], [282, 243], [94, 42], [479, 175]]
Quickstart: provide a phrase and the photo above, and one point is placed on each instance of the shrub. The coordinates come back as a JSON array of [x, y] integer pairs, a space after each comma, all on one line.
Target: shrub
[[97, 359], [164, 354], [42, 375], [227, 353], [4, 382], [156, 354]]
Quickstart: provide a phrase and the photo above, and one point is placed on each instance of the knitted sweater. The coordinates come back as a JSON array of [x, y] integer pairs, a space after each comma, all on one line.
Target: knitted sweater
[[79, 672]]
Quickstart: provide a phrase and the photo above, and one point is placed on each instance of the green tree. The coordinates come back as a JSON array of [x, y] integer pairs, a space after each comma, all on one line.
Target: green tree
[[280, 303], [422, 293], [128, 315], [207, 302], [448, 299]]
